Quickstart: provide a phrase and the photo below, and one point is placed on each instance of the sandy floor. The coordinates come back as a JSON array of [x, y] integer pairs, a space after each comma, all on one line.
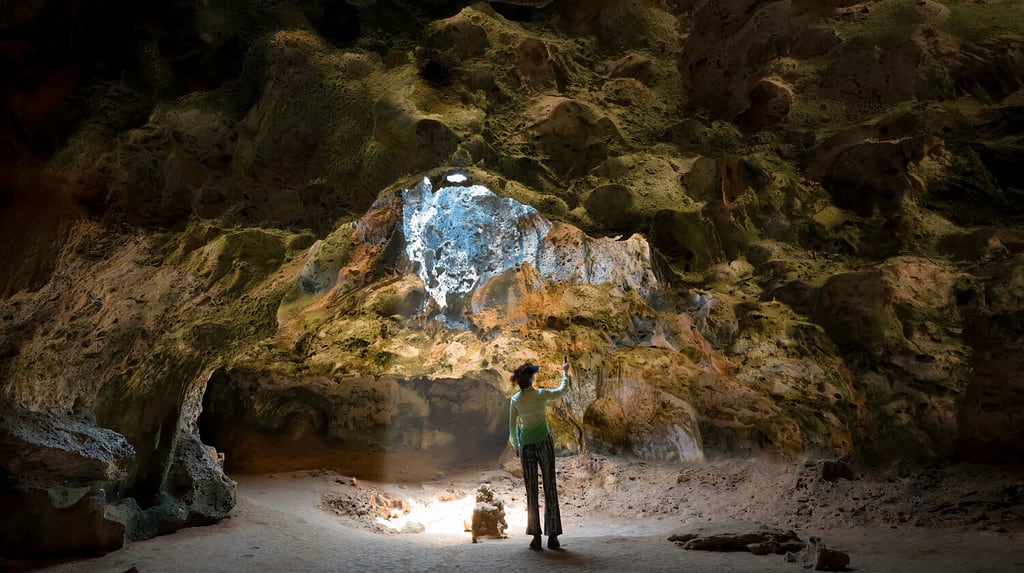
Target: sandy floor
[[617, 517]]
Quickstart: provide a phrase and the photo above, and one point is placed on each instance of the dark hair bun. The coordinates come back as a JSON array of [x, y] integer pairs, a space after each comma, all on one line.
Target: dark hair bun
[[524, 372]]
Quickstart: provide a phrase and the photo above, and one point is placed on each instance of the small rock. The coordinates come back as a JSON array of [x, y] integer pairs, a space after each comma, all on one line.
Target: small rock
[[836, 470], [819, 556], [413, 527], [513, 467], [759, 540], [488, 515], [824, 470]]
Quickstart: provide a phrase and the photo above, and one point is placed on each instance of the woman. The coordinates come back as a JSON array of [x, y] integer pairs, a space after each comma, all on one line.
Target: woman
[[531, 439]]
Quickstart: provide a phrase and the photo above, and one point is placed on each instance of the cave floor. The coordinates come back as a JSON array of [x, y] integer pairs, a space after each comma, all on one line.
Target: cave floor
[[617, 516]]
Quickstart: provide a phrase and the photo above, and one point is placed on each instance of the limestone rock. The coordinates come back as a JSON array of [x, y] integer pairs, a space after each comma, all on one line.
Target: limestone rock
[[567, 255], [628, 416], [533, 63], [759, 540], [413, 139], [634, 66], [42, 447], [818, 259], [57, 471], [612, 206], [868, 299], [732, 42], [823, 471], [319, 273], [620, 25], [45, 523], [912, 321], [488, 515], [770, 102], [874, 177], [571, 134], [688, 238], [819, 556], [196, 479], [456, 254]]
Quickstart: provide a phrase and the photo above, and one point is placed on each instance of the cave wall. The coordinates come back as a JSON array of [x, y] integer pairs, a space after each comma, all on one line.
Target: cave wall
[[202, 207]]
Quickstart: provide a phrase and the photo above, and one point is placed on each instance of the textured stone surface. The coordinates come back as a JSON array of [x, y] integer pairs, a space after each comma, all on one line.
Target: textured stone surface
[[45, 447], [757, 227], [56, 474], [759, 540], [488, 515], [460, 237], [819, 556], [376, 428]]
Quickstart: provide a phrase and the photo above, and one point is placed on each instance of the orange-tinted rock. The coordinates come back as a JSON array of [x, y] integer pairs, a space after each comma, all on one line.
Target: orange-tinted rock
[[533, 62], [571, 135], [633, 66]]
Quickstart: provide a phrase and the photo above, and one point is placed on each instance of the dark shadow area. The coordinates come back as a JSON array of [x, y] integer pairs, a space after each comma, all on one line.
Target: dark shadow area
[[515, 12], [394, 430], [337, 20]]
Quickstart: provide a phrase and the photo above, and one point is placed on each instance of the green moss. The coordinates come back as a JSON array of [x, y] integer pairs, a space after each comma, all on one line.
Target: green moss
[[876, 329], [977, 22], [818, 107], [552, 207], [242, 258], [721, 139], [888, 20]]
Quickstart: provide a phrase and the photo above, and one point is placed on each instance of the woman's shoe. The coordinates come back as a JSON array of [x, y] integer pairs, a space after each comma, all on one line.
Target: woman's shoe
[[553, 542], [536, 543]]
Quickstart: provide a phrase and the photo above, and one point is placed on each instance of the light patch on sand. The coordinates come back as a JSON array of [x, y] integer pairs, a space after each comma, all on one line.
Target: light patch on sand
[[446, 517]]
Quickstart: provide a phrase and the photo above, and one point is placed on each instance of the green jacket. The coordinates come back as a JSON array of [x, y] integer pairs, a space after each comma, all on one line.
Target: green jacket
[[528, 420]]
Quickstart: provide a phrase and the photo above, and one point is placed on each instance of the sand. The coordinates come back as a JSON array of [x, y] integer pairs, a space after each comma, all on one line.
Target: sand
[[617, 515]]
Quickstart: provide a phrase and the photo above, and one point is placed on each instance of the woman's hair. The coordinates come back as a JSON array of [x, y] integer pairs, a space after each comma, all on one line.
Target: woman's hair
[[523, 376]]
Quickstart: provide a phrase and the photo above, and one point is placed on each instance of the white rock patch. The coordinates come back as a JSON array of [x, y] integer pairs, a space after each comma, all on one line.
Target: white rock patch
[[460, 236]]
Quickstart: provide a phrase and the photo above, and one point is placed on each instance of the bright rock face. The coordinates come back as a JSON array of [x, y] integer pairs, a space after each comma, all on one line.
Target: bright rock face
[[567, 255], [460, 237]]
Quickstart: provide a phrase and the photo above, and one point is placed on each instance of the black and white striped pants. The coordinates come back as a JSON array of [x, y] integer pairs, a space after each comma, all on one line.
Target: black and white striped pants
[[541, 454]]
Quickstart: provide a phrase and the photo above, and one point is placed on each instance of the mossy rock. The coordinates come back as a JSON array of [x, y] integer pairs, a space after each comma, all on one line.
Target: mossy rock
[[612, 207], [237, 261], [606, 426], [687, 239]]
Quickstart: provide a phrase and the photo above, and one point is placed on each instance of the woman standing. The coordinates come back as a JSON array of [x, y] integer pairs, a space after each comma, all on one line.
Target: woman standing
[[531, 438]]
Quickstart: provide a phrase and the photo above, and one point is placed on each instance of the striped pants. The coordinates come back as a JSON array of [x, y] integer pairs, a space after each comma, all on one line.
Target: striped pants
[[533, 455]]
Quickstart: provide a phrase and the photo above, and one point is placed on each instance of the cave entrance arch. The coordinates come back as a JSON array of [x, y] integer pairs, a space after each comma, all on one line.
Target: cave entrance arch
[[383, 429]]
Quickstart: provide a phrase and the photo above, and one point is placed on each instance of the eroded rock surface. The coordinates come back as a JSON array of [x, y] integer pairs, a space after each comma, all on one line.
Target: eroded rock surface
[[819, 556], [739, 537], [488, 515], [782, 228]]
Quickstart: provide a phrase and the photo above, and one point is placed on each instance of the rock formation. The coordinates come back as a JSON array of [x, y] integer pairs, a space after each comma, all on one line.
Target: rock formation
[[488, 515], [235, 238]]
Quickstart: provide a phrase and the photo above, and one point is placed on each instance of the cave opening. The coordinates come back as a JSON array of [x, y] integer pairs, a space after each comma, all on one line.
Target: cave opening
[[405, 430], [833, 200]]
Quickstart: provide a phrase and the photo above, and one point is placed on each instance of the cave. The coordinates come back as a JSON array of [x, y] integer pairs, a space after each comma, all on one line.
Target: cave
[[269, 268], [418, 428]]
